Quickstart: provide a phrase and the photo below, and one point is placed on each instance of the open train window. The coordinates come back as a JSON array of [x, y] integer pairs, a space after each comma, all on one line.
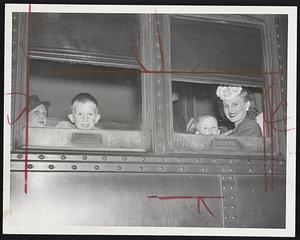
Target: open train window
[[82, 66], [214, 86]]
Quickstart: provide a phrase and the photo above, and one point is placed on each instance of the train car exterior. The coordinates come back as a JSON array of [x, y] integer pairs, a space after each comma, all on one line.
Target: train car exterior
[[142, 167]]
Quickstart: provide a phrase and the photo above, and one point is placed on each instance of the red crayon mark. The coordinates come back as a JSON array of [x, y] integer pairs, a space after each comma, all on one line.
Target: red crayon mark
[[200, 199], [21, 113], [27, 98]]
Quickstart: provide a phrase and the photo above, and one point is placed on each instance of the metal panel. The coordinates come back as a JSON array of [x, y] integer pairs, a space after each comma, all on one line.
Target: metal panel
[[115, 199], [257, 207]]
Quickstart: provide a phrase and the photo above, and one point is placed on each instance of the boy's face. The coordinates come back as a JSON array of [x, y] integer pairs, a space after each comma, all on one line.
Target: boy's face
[[38, 116], [85, 115], [208, 126]]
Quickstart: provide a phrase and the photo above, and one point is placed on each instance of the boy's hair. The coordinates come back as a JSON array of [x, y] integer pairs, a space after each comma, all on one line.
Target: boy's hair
[[83, 98], [205, 116]]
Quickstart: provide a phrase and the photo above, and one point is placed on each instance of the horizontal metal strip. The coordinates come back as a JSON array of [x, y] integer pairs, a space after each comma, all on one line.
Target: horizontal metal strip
[[149, 159], [144, 168]]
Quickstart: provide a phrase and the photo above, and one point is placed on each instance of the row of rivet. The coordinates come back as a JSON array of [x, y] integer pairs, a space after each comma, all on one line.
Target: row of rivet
[[97, 167], [162, 159], [228, 191]]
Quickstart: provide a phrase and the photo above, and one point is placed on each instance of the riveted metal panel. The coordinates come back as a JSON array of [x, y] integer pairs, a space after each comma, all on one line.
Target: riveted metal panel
[[259, 208], [231, 215], [115, 199]]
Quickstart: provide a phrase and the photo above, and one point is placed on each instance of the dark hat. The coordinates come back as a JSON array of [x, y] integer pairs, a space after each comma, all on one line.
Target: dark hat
[[35, 101]]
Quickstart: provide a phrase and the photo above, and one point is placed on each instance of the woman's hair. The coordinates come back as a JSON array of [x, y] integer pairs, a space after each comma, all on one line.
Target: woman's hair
[[253, 110]]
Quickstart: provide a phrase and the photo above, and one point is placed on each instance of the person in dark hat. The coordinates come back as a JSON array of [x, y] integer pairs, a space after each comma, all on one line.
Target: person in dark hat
[[38, 111]]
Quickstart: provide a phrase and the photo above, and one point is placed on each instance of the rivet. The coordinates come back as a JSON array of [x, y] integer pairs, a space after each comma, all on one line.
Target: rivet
[[161, 132], [278, 45], [161, 148], [104, 158], [158, 81], [232, 207], [124, 158], [159, 94], [270, 171], [20, 155], [119, 168], [231, 178], [41, 156], [30, 166], [214, 161], [282, 90], [180, 160], [277, 25], [226, 207], [233, 217], [198, 160], [141, 168], [231, 161], [230, 170], [158, 56], [250, 170], [182, 169], [162, 159], [159, 120], [280, 162], [277, 35], [97, 167], [223, 169], [161, 168], [50, 166], [143, 159], [63, 157], [231, 187], [157, 45], [224, 187], [84, 157], [279, 56], [232, 197], [248, 161], [226, 218], [159, 106], [280, 66], [224, 177], [74, 167]]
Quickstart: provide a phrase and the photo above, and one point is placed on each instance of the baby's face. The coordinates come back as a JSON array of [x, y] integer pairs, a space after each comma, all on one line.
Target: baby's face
[[85, 115], [208, 126], [38, 116]]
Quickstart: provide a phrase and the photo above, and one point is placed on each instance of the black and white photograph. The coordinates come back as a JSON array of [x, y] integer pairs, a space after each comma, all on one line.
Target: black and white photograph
[[150, 120]]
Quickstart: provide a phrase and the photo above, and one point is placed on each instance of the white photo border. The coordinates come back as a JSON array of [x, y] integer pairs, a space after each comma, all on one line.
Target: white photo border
[[289, 231]]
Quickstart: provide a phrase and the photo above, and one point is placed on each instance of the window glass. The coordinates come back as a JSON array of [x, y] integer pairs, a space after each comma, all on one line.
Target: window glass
[[215, 46]]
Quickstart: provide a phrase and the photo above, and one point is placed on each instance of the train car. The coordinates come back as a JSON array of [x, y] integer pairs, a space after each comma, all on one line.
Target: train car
[[143, 163]]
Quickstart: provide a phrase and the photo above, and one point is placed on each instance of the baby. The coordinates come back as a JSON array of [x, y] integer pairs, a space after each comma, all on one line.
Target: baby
[[207, 125], [84, 112], [38, 111]]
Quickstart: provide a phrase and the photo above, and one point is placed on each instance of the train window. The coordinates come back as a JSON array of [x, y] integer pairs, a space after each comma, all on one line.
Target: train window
[[217, 89], [85, 88]]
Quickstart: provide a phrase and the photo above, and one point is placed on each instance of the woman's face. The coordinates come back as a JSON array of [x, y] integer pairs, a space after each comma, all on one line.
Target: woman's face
[[236, 109]]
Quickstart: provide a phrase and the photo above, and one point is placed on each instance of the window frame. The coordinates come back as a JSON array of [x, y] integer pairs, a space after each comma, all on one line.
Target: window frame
[[270, 62], [22, 22]]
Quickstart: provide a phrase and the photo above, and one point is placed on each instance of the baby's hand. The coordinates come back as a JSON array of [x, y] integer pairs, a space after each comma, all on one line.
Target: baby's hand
[[227, 133]]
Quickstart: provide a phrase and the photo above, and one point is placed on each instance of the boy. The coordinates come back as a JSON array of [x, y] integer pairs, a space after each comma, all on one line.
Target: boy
[[37, 112], [84, 113], [207, 125]]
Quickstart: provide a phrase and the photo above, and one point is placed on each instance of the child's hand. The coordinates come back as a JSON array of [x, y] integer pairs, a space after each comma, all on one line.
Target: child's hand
[[227, 133]]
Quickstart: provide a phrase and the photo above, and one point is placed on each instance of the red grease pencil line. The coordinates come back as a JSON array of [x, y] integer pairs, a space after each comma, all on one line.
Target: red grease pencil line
[[198, 198], [27, 101], [264, 137]]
